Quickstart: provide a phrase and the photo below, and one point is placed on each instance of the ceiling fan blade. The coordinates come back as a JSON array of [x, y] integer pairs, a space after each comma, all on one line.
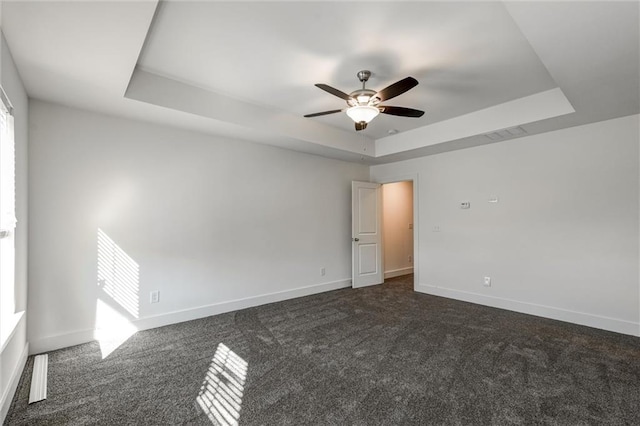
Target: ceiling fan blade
[[361, 125], [334, 91], [318, 114], [397, 88], [401, 111]]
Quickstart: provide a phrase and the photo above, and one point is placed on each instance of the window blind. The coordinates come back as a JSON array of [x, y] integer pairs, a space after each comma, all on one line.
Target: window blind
[[7, 167]]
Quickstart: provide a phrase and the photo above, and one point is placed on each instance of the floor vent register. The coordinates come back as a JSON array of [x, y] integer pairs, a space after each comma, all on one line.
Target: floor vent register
[[38, 390]]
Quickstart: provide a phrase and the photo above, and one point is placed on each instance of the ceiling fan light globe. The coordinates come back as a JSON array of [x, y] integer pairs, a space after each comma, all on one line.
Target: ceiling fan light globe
[[361, 113]]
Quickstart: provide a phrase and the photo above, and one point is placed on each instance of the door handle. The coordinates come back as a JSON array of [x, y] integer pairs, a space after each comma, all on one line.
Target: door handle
[[356, 239]]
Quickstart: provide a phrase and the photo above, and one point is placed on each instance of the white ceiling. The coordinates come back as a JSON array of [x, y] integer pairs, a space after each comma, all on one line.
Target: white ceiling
[[247, 69]]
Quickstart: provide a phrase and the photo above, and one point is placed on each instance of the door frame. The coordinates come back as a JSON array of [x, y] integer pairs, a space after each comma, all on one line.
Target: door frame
[[413, 177]]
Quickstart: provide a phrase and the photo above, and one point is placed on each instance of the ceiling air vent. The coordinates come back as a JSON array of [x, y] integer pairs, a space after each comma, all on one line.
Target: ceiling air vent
[[506, 133]]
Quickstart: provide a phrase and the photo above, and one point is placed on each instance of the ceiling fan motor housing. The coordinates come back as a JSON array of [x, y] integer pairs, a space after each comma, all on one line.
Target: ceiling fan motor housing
[[363, 97]]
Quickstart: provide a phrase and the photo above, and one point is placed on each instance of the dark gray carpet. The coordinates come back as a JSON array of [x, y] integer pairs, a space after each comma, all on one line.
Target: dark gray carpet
[[372, 356]]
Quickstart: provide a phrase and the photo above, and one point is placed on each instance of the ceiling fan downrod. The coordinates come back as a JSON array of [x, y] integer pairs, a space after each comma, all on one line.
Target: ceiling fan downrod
[[363, 96]]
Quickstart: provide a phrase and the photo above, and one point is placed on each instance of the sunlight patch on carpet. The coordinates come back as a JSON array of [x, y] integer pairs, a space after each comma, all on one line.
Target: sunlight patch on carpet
[[112, 328], [220, 396]]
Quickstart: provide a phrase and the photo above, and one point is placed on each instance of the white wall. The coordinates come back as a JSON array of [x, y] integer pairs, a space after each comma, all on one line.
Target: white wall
[[397, 216], [562, 241], [212, 224], [13, 354]]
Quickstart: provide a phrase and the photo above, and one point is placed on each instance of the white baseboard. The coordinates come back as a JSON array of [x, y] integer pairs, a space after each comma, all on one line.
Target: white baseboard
[[234, 305], [59, 341], [398, 272], [590, 320], [10, 391], [51, 343]]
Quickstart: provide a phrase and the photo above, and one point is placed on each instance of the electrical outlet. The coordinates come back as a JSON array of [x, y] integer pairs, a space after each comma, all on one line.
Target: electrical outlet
[[322, 271], [155, 296], [436, 228], [410, 258], [487, 281]]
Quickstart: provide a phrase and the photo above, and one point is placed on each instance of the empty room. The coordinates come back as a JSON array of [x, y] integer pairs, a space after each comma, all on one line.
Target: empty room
[[319, 212]]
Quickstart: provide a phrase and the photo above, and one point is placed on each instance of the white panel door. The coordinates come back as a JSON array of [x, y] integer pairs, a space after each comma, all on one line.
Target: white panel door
[[366, 234]]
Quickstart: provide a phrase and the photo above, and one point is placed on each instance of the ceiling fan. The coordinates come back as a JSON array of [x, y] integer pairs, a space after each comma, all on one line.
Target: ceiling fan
[[364, 104]]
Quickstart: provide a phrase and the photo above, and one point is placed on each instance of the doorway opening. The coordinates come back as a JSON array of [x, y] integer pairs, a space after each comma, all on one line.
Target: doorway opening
[[398, 229], [368, 229]]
